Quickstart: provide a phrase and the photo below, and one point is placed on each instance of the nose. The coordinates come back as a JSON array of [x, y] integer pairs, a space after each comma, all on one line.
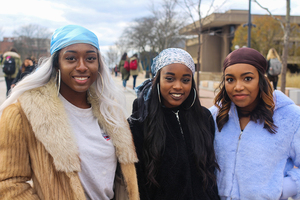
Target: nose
[[239, 86], [81, 65], [177, 85]]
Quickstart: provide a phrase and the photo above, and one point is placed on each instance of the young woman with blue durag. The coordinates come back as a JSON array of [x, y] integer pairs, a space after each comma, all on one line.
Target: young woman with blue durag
[[257, 139], [173, 133], [64, 127]]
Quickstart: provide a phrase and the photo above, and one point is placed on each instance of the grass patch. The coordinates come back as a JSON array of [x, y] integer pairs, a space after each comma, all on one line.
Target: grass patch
[[292, 80]]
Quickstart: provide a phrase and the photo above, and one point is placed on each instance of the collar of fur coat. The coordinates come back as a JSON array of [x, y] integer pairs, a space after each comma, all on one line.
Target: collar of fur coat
[[49, 121]]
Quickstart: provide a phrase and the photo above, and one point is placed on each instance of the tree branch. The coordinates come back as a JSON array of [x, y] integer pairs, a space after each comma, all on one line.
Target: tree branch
[[266, 9]]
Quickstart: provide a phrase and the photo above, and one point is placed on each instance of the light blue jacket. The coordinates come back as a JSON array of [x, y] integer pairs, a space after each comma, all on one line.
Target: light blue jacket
[[260, 165]]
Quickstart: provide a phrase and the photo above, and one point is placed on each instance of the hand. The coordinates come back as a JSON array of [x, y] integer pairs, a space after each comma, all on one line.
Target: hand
[[12, 86]]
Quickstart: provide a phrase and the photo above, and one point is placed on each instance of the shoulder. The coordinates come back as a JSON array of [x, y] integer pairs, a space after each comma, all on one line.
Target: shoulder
[[206, 111], [284, 106], [11, 116], [214, 110]]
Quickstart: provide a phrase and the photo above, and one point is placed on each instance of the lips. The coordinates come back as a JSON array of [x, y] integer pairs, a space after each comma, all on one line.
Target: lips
[[176, 95], [240, 96], [81, 79]]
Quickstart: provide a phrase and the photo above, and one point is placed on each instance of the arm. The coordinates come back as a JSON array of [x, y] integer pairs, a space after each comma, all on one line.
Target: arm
[[15, 167], [291, 183], [17, 78]]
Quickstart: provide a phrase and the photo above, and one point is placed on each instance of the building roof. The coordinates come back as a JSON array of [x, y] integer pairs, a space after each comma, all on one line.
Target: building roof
[[230, 17]]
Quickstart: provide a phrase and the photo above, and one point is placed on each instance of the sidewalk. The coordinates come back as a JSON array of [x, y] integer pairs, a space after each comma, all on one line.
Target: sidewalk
[[206, 96]]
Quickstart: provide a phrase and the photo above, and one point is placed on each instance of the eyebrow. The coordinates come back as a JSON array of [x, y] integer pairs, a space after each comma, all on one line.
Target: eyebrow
[[243, 74], [71, 51], [170, 73]]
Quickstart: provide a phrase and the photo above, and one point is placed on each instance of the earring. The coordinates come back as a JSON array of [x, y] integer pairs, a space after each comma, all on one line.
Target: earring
[[194, 98], [157, 85], [58, 79]]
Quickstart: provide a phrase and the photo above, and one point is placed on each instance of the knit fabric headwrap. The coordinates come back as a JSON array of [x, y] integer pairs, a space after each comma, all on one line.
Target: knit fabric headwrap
[[170, 56], [72, 34], [166, 57], [248, 56]]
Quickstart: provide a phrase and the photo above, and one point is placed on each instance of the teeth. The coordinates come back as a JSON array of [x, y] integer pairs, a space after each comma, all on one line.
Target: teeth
[[81, 78], [176, 95]]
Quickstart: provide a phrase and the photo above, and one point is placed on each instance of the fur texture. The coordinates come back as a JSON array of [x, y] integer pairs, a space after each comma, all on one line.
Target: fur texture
[[254, 166], [37, 143], [50, 125]]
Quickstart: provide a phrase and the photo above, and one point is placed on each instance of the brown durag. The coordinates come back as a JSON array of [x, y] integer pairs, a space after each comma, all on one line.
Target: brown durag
[[248, 56]]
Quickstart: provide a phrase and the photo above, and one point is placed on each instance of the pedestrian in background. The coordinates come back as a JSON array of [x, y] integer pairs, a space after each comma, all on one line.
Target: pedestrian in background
[[135, 68], [124, 68], [274, 66], [257, 140], [116, 70], [11, 55], [173, 133], [26, 68], [64, 127]]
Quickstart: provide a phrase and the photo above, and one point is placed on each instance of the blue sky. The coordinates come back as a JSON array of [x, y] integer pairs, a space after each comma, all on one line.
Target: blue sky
[[106, 18]]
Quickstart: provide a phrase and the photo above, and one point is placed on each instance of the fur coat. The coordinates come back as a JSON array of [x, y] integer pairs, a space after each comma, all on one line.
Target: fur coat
[[259, 164], [36, 142]]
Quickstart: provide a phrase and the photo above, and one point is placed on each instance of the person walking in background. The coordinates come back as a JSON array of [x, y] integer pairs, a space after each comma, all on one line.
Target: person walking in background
[[274, 67], [135, 68], [173, 133], [26, 68], [124, 67], [257, 139], [12, 61], [116, 70], [64, 127]]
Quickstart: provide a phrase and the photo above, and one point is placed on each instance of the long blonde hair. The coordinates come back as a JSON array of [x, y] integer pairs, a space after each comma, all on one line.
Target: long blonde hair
[[273, 54], [112, 104]]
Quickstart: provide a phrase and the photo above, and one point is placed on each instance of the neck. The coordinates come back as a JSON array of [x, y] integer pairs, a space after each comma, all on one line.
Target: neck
[[80, 100]]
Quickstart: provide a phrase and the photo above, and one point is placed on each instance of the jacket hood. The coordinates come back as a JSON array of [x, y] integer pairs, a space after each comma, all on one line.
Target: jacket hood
[[281, 100], [12, 54]]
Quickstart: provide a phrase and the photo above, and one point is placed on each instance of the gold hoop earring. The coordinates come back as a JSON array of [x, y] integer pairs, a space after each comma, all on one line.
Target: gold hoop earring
[[157, 85], [58, 79], [194, 98]]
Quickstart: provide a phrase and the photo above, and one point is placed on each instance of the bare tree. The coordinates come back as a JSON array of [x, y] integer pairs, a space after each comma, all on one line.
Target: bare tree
[[286, 27], [140, 34], [168, 24], [192, 7], [32, 39], [112, 56]]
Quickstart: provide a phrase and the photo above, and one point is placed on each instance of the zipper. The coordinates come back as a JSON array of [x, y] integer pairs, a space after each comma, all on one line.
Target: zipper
[[237, 149], [177, 116]]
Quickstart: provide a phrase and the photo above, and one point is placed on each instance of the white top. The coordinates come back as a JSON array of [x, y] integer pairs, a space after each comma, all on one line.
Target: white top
[[96, 152]]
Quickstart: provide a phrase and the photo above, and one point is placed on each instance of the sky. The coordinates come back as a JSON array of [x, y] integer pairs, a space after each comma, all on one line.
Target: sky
[[107, 18]]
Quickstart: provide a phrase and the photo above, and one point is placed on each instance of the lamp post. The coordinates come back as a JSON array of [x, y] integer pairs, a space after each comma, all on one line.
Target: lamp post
[[249, 24]]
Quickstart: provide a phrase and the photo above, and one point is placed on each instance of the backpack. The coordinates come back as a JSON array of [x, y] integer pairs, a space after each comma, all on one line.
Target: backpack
[[126, 65], [133, 65], [275, 67], [9, 66]]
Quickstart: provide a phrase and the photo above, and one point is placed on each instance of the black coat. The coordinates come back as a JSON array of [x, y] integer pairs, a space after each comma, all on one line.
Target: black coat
[[177, 176]]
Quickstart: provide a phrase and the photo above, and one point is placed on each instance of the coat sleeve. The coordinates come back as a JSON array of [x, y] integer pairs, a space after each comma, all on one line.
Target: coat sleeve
[[294, 173], [15, 168]]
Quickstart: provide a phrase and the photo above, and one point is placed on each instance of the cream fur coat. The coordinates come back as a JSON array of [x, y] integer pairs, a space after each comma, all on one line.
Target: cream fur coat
[[36, 142]]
